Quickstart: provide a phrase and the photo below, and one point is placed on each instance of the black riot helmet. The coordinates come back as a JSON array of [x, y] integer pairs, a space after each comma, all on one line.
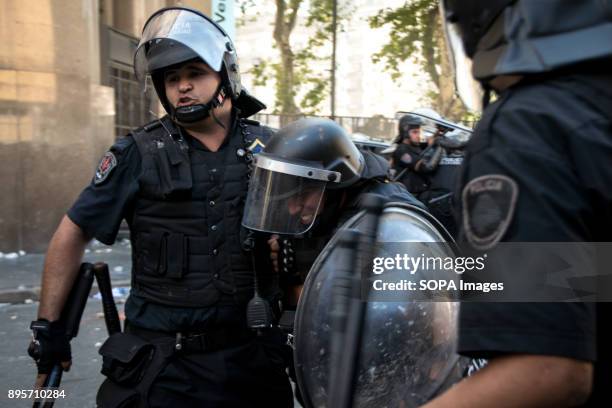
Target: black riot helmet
[[473, 18], [173, 36], [406, 123], [295, 168], [521, 37]]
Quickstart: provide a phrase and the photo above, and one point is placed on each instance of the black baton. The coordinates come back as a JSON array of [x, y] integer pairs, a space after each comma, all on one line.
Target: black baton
[[71, 316], [111, 317], [353, 314]]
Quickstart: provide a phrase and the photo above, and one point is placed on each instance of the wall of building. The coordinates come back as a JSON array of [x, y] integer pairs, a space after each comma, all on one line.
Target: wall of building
[[56, 119]]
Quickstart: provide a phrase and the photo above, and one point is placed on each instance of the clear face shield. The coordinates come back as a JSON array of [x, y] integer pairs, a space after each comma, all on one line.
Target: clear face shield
[[187, 28], [285, 198], [433, 123], [469, 90]]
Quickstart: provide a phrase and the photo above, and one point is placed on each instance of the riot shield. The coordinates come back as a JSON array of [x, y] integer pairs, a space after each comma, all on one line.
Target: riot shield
[[407, 353]]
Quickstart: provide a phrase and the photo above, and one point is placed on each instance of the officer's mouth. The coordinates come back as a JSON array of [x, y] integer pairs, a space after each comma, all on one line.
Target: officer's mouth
[[186, 102], [306, 218]]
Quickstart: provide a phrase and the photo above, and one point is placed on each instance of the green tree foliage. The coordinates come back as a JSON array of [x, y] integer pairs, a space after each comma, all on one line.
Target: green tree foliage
[[416, 34], [303, 71]]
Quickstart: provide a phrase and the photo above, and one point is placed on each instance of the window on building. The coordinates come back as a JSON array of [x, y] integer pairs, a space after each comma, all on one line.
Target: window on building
[[132, 106]]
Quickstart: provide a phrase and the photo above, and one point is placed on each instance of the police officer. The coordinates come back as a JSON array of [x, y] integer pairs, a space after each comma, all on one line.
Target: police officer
[[537, 169], [180, 183], [429, 170], [308, 180], [407, 160]]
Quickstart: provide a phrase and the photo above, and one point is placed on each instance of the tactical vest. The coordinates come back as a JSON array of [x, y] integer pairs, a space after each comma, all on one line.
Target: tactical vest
[[186, 229]]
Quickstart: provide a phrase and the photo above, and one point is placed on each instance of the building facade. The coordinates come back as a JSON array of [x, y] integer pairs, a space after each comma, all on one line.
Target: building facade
[[66, 92]]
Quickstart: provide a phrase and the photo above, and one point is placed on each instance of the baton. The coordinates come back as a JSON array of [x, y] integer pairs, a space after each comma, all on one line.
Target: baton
[[399, 175], [342, 295], [71, 317], [111, 317], [342, 394]]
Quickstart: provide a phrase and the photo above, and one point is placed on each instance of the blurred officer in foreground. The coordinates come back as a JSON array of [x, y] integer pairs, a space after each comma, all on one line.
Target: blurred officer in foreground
[[180, 183], [537, 169]]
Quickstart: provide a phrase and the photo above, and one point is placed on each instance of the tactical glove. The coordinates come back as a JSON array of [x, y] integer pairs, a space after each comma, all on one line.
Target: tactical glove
[[49, 345]]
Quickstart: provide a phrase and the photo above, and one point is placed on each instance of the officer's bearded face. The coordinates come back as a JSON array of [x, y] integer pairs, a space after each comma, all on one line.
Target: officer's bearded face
[[306, 205], [415, 136], [190, 84]]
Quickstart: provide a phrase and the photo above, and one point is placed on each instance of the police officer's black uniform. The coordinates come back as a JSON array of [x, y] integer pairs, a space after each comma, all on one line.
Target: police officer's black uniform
[[435, 179], [537, 168], [190, 274], [186, 340], [551, 141], [313, 156], [405, 158]]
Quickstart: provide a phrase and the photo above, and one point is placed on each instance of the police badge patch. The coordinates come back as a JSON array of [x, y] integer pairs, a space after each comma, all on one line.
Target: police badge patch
[[107, 164], [488, 206], [406, 158]]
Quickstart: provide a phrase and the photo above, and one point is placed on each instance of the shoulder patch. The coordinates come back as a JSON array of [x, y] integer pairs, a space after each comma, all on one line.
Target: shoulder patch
[[107, 164], [256, 147], [488, 207], [406, 158]]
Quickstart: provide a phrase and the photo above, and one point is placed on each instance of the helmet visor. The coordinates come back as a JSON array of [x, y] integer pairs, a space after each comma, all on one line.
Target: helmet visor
[[189, 29], [282, 199], [469, 90]]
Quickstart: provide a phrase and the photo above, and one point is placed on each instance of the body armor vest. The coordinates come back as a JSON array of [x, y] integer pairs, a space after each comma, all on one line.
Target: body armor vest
[[186, 229]]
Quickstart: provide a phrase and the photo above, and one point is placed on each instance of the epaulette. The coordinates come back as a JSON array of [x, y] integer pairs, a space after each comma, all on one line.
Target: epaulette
[[152, 125]]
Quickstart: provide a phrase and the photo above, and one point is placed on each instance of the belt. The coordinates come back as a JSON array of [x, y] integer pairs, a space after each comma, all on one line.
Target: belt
[[198, 341]]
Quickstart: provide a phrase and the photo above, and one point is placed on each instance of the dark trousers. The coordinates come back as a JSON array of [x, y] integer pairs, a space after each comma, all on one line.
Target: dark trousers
[[251, 373]]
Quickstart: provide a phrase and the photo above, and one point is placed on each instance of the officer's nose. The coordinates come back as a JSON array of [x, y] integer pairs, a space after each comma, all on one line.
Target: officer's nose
[[185, 85]]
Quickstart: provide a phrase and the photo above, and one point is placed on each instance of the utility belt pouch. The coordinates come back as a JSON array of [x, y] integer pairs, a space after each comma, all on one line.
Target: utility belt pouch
[[125, 358], [131, 365]]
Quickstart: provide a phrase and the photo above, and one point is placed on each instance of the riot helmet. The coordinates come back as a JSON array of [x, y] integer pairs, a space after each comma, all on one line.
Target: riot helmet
[[293, 171], [173, 36], [505, 37], [408, 122]]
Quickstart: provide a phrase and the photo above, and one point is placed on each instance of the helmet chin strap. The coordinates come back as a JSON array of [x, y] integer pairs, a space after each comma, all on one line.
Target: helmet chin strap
[[201, 111]]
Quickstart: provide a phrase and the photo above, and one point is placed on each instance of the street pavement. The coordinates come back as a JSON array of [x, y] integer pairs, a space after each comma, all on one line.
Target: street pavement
[[18, 371], [19, 289], [19, 292]]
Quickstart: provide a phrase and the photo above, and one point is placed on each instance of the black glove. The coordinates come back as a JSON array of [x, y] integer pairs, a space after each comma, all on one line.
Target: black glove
[[452, 144], [430, 158], [49, 345]]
